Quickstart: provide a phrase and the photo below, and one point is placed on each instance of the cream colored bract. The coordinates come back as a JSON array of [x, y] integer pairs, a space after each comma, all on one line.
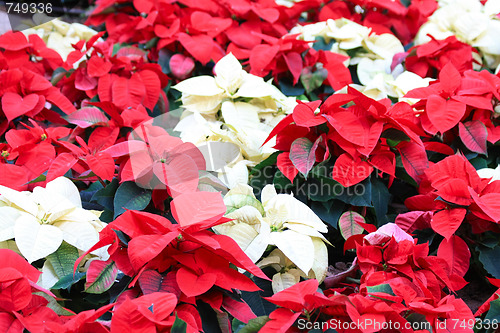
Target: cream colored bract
[[41, 220]]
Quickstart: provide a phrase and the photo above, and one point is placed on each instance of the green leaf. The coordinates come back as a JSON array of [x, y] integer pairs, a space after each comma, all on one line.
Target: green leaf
[[348, 224], [179, 326], [329, 211], [358, 195], [104, 280], [381, 288], [287, 87], [479, 163], [40, 178], [313, 80], [281, 183], [63, 259], [68, 280], [259, 305], [54, 305], [106, 195], [380, 200], [130, 196], [321, 44], [263, 173], [254, 325], [489, 259], [270, 161], [122, 236], [493, 315]]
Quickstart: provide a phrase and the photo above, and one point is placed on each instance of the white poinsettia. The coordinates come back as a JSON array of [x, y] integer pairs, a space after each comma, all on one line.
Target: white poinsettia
[[471, 22], [233, 106], [348, 35], [205, 94], [279, 220], [41, 220], [60, 35]]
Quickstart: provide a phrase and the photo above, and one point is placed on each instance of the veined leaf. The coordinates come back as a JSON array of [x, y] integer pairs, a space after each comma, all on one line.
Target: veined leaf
[[474, 135], [348, 224], [100, 276], [86, 117], [63, 259], [456, 252], [253, 326], [303, 154], [68, 280]]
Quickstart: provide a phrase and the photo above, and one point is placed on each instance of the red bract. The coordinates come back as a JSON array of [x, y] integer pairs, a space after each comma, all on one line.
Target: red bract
[[87, 157], [124, 79], [159, 161], [21, 309], [354, 137]]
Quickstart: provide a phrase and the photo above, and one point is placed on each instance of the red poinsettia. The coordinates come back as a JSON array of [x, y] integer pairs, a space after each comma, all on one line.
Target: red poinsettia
[[450, 99], [354, 137], [194, 261]]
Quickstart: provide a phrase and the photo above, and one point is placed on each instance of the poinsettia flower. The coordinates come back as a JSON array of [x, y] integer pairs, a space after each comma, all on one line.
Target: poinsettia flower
[[204, 94], [40, 221], [280, 220], [385, 232]]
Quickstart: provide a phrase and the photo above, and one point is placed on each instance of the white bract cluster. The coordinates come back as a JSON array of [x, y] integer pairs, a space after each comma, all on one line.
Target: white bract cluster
[[372, 53], [60, 35], [470, 22], [233, 106], [41, 220], [281, 221]]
